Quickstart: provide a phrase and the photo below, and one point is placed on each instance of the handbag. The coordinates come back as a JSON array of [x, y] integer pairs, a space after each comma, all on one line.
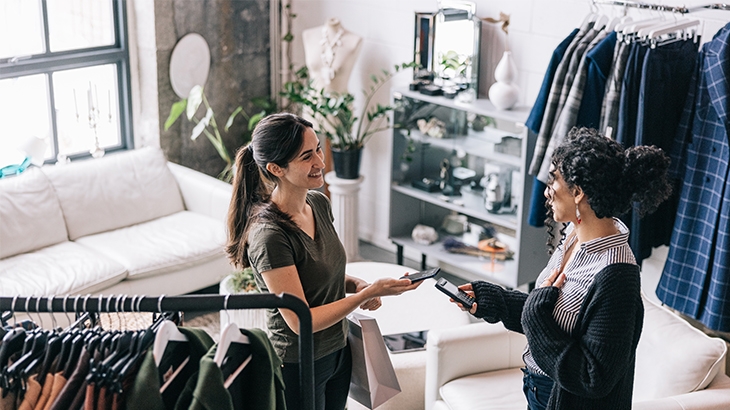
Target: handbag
[[373, 380]]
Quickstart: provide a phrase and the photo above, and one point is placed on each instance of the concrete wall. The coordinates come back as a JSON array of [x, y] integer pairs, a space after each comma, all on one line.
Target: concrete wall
[[237, 33]]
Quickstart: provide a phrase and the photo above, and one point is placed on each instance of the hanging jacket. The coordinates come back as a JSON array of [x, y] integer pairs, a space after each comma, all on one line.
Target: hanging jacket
[[260, 384], [145, 392], [696, 276], [534, 123], [551, 110]]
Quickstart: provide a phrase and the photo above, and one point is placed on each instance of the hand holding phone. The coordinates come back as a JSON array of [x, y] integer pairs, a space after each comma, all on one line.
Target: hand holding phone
[[424, 274], [455, 293]]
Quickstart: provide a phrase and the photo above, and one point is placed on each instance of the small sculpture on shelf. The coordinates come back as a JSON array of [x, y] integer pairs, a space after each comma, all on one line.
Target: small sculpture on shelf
[[434, 127], [424, 234]]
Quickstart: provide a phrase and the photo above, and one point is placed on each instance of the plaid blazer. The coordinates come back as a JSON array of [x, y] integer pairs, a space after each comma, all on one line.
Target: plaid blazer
[[696, 276]]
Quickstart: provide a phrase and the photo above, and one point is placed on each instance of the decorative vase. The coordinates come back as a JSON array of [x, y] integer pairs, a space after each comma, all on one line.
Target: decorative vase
[[504, 93], [347, 163]]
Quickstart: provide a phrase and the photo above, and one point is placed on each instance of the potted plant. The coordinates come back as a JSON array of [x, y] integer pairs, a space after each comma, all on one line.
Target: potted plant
[[209, 126], [240, 282], [336, 119]]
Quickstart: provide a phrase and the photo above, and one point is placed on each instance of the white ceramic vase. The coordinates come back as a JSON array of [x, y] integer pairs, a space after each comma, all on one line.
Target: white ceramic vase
[[504, 93]]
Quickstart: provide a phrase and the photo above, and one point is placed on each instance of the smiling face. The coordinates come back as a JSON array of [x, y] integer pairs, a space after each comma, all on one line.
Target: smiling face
[[560, 198], [307, 168]]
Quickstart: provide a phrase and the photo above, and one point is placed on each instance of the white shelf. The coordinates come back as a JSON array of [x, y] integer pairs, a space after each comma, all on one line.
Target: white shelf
[[473, 205], [479, 268], [479, 146], [411, 206], [518, 114]]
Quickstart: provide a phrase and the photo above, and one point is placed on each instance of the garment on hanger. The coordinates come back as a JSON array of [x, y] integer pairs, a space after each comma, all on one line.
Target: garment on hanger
[[569, 114], [553, 99], [611, 98], [534, 123], [666, 74], [259, 385], [591, 73], [145, 391], [615, 85], [696, 276], [115, 369]]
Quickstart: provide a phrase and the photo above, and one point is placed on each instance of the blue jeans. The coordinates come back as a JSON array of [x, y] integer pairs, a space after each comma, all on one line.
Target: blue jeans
[[331, 381], [537, 389]]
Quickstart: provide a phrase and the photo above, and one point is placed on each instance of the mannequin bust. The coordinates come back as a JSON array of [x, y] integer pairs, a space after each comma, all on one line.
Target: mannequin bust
[[330, 52]]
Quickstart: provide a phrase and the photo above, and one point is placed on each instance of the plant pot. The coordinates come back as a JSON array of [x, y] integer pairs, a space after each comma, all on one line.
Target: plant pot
[[347, 163]]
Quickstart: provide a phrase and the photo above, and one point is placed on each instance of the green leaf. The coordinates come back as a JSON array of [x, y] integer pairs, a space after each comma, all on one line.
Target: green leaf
[[288, 37], [232, 117], [175, 112], [195, 98], [255, 120]]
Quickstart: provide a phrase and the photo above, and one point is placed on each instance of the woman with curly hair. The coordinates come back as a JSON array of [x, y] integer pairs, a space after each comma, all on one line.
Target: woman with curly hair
[[584, 319]]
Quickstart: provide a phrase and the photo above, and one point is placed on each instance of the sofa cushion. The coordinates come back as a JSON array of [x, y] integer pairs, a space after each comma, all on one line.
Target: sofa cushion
[[673, 357], [30, 215], [501, 389], [115, 191], [161, 245], [60, 269]]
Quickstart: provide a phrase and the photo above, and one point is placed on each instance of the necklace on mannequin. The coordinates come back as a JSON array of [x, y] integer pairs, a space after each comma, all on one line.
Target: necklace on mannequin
[[329, 47]]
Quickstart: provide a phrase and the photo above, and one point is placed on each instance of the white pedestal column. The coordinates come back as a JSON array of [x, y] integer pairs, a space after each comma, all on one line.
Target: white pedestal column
[[344, 197]]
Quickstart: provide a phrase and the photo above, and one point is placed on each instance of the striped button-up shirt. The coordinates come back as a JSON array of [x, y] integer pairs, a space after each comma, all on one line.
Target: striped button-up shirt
[[589, 259]]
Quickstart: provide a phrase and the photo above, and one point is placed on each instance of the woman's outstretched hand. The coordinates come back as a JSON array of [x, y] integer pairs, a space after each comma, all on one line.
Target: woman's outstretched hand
[[469, 291], [385, 287]]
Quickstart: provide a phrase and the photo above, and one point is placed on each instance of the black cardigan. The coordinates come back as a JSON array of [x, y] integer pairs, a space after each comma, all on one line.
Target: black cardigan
[[593, 366]]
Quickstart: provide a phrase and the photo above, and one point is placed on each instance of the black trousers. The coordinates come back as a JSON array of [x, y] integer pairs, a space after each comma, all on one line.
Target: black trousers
[[331, 381]]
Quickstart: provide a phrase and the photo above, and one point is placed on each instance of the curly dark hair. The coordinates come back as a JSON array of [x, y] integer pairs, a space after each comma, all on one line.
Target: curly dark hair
[[614, 179]]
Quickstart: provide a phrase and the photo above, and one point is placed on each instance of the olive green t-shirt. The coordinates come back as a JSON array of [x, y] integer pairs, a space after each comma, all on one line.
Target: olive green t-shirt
[[320, 263]]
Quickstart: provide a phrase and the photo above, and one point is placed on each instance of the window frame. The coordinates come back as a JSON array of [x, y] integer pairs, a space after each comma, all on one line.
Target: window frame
[[49, 62]]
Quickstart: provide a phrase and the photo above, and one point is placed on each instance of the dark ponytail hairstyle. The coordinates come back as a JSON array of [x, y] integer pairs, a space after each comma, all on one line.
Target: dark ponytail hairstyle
[[614, 179], [276, 139]]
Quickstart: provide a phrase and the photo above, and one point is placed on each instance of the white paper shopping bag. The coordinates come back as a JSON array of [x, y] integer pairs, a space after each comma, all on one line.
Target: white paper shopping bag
[[373, 378]]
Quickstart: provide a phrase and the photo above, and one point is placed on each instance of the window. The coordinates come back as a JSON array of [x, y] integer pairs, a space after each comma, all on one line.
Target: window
[[64, 75]]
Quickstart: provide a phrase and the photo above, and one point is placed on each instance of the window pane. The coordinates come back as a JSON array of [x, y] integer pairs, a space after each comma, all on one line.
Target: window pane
[[20, 28], [24, 111], [86, 106], [74, 24]]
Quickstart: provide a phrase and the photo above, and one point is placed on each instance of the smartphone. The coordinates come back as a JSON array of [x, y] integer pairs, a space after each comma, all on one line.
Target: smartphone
[[455, 293], [424, 274]]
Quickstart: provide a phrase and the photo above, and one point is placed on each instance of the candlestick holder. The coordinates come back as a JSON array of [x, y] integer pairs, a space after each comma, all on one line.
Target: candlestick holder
[[96, 150]]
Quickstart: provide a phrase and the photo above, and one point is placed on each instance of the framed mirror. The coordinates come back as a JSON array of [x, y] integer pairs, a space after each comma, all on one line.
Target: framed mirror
[[423, 47], [447, 44]]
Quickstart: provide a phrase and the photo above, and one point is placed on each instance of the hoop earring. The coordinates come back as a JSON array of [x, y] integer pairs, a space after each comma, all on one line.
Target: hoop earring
[[577, 215]]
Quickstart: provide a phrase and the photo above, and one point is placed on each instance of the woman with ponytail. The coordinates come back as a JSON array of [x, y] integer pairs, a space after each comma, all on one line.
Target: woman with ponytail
[[279, 225], [583, 321]]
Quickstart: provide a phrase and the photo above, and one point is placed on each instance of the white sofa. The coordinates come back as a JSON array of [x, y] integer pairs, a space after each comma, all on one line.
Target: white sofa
[[478, 367], [128, 223]]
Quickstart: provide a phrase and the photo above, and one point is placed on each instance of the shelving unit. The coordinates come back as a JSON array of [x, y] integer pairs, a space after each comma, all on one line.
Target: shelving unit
[[504, 148]]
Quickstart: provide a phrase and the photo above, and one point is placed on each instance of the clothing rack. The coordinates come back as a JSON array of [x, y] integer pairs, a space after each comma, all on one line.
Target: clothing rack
[[186, 303], [662, 7]]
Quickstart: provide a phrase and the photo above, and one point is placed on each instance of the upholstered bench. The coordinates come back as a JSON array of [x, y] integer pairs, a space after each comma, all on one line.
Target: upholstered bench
[[478, 367], [422, 309]]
